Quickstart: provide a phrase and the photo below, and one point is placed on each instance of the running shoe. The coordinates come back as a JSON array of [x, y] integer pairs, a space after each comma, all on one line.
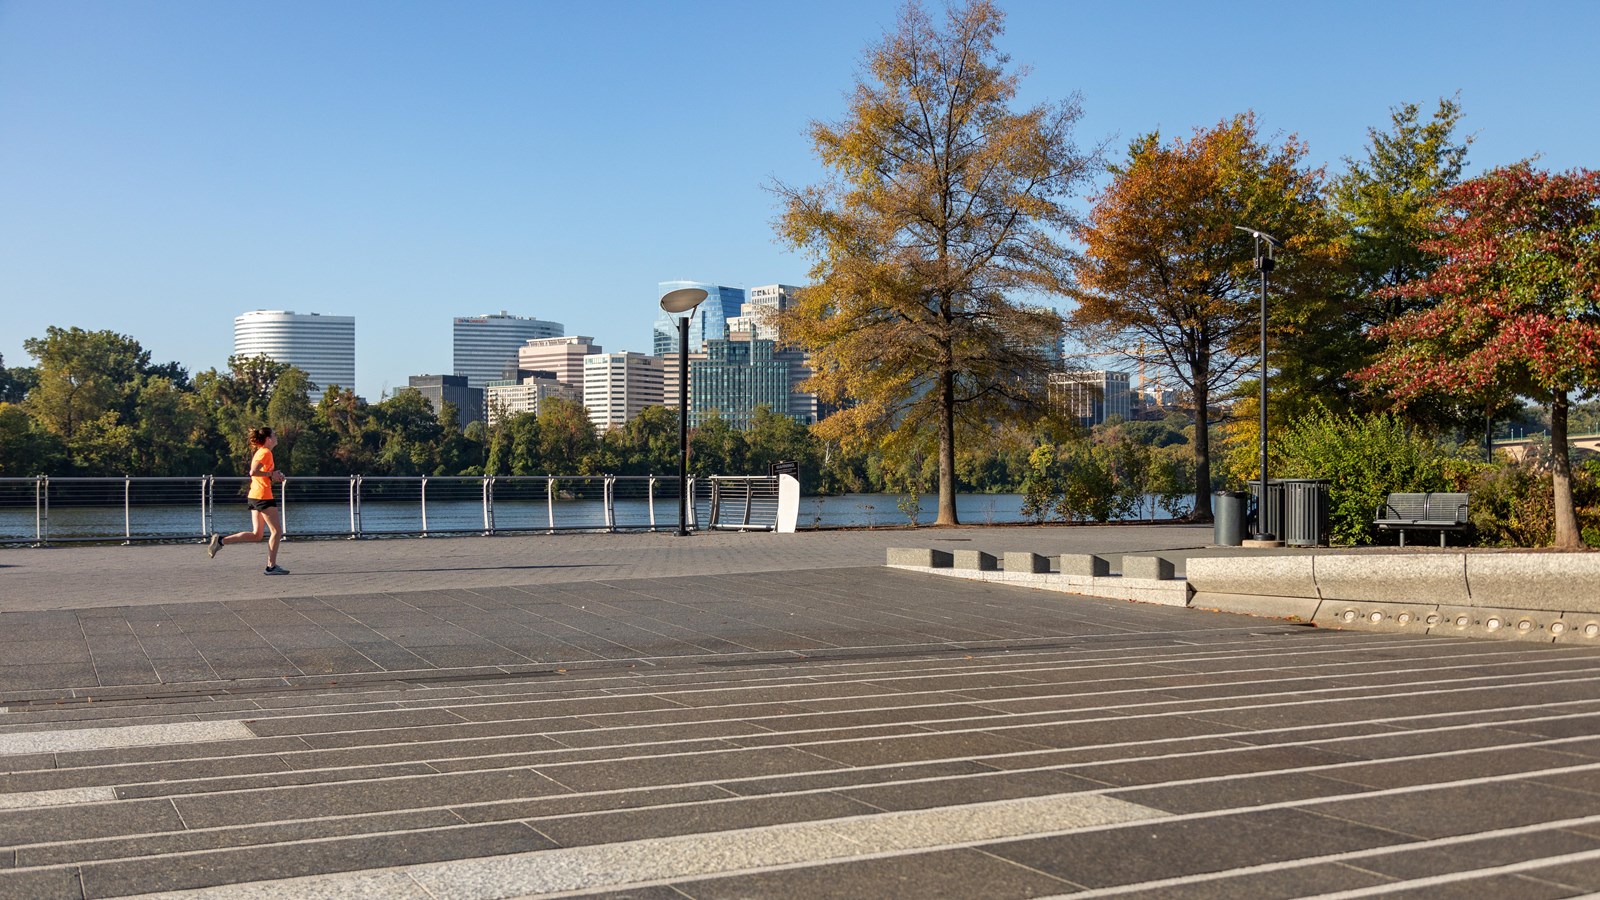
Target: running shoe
[[215, 545], [275, 570]]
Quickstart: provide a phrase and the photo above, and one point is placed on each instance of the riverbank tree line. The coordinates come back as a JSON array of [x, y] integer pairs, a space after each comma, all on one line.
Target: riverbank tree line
[[96, 405]]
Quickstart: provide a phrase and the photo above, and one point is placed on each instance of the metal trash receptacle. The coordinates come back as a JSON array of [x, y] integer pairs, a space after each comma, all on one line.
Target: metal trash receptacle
[[1268, 517], [1305, 512], [1228, 517]]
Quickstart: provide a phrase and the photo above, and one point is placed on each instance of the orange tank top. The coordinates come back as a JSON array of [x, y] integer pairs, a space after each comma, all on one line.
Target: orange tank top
[[261, 485]]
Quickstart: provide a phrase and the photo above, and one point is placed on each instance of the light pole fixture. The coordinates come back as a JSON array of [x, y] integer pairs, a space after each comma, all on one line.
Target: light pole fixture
[[682, 302], [1264, 265]]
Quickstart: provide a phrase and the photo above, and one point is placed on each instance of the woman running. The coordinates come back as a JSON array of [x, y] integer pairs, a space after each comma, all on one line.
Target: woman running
[[263, 505]]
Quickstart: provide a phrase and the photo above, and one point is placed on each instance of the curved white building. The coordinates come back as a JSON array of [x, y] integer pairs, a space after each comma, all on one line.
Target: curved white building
[[324, 347], [485, 345]]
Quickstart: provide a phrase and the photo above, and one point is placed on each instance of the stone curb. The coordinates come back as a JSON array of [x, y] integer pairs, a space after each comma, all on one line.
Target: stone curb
[[1547, 597]]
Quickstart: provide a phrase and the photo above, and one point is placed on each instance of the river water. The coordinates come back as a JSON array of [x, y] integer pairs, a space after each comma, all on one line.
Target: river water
[[179, 521]]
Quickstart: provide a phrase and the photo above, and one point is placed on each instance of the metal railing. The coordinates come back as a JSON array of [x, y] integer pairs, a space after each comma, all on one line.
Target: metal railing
[[44, 510], [743, 503]]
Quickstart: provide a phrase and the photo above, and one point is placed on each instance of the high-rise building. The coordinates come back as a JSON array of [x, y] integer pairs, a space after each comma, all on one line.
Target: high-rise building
[[484, 344], [1091, 396], [616, 386], [507, 397], [670, 388], [442, 389], [561, 355], [755, 316], [737, 376], [707, 322], [324, 347]]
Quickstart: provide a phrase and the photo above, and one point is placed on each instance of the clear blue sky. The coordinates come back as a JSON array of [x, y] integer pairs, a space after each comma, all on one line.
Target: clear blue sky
[[165, 166]]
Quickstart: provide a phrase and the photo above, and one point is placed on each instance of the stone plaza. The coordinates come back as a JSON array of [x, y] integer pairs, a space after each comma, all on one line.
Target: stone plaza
[[757, 715]]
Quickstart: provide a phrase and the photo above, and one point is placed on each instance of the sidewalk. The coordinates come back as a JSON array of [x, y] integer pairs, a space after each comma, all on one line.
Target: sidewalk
[[76, 577]]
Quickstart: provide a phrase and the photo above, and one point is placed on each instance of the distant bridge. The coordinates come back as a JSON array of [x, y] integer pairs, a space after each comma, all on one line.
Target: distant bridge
[[1516, 448]]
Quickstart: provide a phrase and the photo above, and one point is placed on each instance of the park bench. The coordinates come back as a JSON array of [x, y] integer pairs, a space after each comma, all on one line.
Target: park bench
[[1423, 512]]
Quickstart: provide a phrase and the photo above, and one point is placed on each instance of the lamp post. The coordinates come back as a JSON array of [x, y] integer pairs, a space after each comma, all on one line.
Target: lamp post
[[683, 301], [1264, 265]]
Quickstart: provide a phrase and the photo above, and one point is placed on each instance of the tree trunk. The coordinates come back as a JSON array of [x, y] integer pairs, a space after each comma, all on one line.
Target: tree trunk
[[1567, 534], [947, 449], [1202, 452]]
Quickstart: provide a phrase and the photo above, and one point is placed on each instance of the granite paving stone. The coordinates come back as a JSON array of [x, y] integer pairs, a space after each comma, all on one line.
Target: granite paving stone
[[64, 823], [1463, 810], [719, 815], [1522, 887], [919, 747], [1276, 787], [534, 809], [179, 787], [704, 766], [1136, 853], [362, 722], [184, 841], [1422, 862], [979, 788], [290, 803], [1401, 773], [48, 884], [110, 879], [951, 874]]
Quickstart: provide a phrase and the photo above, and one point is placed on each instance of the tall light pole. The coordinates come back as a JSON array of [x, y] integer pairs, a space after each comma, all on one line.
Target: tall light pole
[[682, 301], [1263, 265]]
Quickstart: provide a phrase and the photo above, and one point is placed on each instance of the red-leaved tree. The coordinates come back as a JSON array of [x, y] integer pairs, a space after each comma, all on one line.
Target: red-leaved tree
[[1515, 306]]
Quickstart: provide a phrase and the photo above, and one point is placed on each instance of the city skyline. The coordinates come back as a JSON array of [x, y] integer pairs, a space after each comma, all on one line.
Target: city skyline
[[168, 165]]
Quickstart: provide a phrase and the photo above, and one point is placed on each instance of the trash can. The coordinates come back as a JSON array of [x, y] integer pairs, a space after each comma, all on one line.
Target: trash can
[[1305, 512], [1228, 516], [1269, 515]]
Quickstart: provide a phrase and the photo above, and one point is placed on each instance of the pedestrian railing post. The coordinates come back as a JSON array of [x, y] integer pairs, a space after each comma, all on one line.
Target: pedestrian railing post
[[41, 508], [127, 510], [283, 507], [652, 503], [424, 506], [488, 505], [355, 506], [550, 500], [205, 517], [611, 498]]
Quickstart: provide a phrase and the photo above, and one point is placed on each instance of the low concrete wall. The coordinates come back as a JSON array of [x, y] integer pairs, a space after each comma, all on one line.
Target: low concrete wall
[[1086, 575], [1518, 596]]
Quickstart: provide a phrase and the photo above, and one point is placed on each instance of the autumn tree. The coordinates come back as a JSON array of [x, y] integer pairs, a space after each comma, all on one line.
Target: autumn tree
[[1514, 305], [1167, 282], [1386, 203], [938, 219]]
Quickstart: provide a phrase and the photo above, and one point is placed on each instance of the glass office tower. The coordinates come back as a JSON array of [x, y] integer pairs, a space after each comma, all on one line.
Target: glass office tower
[[707, 322]]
